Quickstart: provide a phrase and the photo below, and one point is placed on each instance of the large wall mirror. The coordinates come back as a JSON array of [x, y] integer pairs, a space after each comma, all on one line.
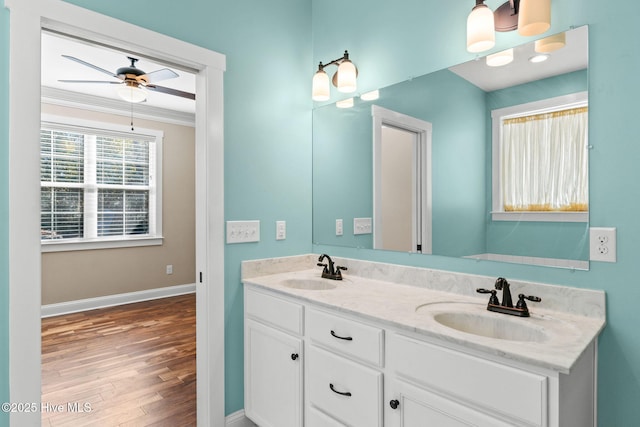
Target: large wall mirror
[[413, 170]]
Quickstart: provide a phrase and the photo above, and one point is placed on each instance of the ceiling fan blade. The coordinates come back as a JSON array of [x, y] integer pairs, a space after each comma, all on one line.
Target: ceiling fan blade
[[163, 74], [90, 81], [85, 63], [170, 91]]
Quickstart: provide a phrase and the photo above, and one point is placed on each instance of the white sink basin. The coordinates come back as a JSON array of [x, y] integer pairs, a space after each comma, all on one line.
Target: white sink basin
[[310, 284], [491, 326], [474, 319]]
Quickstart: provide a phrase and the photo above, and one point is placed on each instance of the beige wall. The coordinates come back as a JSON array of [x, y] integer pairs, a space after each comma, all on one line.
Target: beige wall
[[75, 275]]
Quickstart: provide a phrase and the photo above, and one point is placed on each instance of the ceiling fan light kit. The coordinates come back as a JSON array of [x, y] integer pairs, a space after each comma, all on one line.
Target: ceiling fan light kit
[[133, 83]]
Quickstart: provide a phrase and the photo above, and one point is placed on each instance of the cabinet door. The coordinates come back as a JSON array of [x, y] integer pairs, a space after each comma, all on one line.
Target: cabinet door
[[272, 376], [410, 406]]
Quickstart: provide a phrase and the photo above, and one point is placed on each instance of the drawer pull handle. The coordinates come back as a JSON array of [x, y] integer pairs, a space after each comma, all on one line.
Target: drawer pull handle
[[342, 393], [294, 356], [394, 404], [333, 334]]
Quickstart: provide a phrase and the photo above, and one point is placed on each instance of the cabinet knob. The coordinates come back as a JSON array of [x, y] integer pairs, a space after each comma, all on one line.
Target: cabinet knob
[[294, 356], [394, 404]]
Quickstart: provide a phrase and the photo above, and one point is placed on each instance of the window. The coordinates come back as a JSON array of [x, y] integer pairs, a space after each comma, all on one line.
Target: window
[[540, 160], [100, 185]]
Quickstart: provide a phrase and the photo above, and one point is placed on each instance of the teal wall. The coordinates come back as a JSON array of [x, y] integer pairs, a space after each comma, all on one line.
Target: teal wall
[[271, 53], [392, 41]]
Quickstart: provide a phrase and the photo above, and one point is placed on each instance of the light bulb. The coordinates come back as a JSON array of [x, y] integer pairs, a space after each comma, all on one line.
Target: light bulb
[[500, 58], [534, 17], [346, 80], [320, 90], [481, 34]]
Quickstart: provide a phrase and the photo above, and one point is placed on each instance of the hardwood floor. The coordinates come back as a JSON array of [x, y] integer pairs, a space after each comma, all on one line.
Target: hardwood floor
[[131, 365]]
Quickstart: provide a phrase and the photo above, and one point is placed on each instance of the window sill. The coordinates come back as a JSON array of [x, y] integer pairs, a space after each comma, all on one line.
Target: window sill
[[541, 216], [83, 245]]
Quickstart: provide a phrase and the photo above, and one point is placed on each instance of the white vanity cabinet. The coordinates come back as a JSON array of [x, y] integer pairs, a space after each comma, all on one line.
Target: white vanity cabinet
[[310, 365], [273, 360], [429, 382]]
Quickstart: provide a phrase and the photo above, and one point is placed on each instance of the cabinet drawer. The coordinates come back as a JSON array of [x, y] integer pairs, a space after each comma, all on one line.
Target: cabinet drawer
[[315, 418], [346, 336], [276, 311], [346, 390], [501, 389]]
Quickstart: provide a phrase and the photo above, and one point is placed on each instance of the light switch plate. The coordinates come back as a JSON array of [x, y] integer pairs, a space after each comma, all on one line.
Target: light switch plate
[[339, 228], [243, 231], [362, 226], [281, 230]]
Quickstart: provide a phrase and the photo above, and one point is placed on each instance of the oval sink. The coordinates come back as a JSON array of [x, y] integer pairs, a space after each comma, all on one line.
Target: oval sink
[[309, 284], [502, 327]]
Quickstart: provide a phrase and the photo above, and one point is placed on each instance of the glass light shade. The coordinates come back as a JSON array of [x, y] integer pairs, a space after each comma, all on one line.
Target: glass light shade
[[345, 103], [131, 93], [551, 43], [370, 96], [320, 90], [534, 17], [346, 77], [481, 34], [500, 58]]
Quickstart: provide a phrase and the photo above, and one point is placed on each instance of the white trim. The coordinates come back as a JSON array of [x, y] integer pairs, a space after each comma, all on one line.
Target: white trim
[[65, 98], [238, 419], [573, 100], [541, 216], [423, 130], [27, 18], [68, 307], [88, 245], [530, 260]]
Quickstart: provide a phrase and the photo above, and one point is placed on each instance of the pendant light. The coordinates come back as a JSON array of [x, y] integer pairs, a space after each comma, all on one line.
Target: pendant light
[[481, 35], [320, 90], [534, 17]]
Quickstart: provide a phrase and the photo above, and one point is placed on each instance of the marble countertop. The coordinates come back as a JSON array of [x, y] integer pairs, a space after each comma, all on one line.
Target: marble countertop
[[549, 339]]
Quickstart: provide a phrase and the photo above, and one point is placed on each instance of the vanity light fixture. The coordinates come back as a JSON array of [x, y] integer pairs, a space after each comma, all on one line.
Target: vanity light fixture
[[500, 59], [529, 17], [345, 103], [370, 96], [344, 79]]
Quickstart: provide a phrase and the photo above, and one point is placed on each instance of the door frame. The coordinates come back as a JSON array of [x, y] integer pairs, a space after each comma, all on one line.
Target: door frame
[[422, 216], [27, 19]]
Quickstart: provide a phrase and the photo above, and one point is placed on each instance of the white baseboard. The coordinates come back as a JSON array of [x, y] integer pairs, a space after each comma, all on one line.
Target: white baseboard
[[112, 300], [239, 419]]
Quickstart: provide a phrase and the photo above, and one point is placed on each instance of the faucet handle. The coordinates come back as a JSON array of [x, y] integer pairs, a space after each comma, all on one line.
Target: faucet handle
[[521, 300], [338, 272], [326, 269], [493, 299]]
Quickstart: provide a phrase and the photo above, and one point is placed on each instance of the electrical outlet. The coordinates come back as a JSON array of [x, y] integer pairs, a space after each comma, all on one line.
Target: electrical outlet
[[339, 228], [602, 244]]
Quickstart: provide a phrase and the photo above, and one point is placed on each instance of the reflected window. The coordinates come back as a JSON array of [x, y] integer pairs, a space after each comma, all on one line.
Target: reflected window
[[98, 183], [541, 159]]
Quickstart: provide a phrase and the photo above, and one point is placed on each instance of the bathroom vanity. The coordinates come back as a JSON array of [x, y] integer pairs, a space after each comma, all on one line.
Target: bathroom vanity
[[401, 346]]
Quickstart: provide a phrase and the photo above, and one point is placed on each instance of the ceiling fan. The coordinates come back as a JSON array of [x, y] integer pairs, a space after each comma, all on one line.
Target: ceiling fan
[[133, 80]]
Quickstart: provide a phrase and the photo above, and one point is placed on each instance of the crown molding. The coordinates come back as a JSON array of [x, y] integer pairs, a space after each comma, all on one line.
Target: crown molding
[[100, 104]]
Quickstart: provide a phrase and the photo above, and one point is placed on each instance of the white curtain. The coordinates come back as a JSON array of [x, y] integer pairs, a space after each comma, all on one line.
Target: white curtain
[[545, 161]]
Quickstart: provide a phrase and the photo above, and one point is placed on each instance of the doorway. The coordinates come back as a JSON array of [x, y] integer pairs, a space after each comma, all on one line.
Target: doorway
[[26, 24], [402, 182]]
